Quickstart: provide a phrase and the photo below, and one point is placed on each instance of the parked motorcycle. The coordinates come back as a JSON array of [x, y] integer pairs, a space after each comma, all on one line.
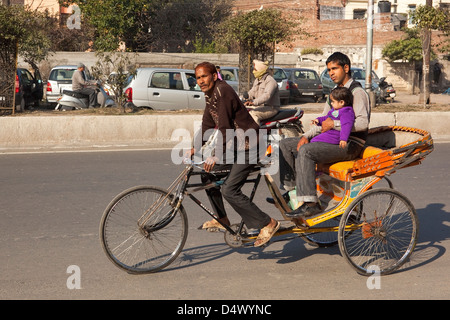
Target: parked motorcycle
[[387, 91], [72, 100]]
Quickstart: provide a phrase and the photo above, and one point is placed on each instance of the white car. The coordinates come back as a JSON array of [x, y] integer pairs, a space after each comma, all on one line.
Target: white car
[[60, 79], [165, 89]]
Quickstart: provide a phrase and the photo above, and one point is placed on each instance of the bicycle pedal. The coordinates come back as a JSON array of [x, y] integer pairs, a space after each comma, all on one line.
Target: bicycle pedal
[[212, 229]]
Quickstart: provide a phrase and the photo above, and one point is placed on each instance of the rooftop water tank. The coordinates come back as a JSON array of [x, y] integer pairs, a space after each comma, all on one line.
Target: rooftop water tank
[[384, 6]]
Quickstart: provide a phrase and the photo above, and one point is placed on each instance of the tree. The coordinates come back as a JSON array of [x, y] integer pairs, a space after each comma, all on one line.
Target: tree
[[114, 68], [428, 18], [21, 31], [256, 33], [407, 49], [113, 20], [152, 25]]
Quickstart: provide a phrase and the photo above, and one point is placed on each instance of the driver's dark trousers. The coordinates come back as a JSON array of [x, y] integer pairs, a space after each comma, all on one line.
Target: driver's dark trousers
[[231, 191], [92, 96]]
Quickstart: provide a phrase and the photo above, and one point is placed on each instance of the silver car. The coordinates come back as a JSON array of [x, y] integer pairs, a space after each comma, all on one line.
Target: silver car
[[358, 74], [283, 84], [165, 89], [231, 76]]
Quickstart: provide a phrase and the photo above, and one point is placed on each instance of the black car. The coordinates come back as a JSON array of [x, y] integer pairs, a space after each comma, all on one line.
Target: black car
[[304, 83], [29, 89]]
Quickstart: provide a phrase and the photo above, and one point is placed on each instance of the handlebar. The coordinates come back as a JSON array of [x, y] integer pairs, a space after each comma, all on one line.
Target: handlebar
[[188, 161]]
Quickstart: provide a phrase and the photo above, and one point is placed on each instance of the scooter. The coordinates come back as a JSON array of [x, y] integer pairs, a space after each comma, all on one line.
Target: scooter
[[286, 121], [387, 91], [72, 100]]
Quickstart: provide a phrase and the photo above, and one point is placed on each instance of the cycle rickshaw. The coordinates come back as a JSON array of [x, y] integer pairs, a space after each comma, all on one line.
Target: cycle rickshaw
[[144, 228]]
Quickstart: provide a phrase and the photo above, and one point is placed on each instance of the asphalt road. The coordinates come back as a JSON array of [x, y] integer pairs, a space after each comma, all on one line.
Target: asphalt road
[[51, 205]]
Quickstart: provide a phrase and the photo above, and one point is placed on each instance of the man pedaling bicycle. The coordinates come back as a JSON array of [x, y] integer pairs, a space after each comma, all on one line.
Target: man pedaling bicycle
[[226, 113]]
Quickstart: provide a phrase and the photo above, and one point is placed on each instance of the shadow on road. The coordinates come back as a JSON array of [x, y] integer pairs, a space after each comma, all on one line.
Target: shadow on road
[[434, 227]]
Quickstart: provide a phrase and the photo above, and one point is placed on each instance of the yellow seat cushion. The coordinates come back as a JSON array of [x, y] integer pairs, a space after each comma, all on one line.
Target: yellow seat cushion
[[339, 170], [370, 151]]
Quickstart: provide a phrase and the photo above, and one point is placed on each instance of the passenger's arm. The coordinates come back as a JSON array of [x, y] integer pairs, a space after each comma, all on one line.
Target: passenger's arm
[[361, 107]]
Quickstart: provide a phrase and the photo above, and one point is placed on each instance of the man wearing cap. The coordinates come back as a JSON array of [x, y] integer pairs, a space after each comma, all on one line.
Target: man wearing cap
[[81, 85], [264, 96]]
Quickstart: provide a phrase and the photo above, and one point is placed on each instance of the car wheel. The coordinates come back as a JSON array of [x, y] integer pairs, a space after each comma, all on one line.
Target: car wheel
[[21, 107]]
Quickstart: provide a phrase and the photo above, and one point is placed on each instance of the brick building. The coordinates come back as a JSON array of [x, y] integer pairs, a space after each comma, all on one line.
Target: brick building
[[343, 22]]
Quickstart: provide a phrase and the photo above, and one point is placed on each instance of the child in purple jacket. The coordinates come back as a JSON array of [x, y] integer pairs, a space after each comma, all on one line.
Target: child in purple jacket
[[341, 99]]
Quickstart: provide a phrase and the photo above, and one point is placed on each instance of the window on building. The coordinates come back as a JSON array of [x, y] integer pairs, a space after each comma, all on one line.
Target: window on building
[[331, 13], [411, 9], [359, 13]]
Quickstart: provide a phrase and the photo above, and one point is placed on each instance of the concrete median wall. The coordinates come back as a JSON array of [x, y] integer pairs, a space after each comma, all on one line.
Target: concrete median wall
[[69, 132]]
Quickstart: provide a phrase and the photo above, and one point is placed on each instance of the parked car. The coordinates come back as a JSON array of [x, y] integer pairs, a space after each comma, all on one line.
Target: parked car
[[231, 76], [60, 79], [304, 83], [358, 74], [28, 88], [283, 84], [112, 83], [165, 89]]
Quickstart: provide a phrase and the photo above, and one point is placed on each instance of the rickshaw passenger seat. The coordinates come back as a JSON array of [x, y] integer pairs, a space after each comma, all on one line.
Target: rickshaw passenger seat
[[339, 170]]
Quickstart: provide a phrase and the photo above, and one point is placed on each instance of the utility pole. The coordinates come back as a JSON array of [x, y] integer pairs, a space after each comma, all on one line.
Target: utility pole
[[369, 54], [426, 49]]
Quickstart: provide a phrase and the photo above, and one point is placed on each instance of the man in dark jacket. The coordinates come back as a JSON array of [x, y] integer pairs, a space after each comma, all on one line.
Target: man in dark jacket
[[238, 133]]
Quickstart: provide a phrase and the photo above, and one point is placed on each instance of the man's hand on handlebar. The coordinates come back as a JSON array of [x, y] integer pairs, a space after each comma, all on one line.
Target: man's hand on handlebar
[[210, 162]]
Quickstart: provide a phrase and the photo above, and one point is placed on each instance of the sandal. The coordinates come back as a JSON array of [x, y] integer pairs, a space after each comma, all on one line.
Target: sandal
[[266, 234]]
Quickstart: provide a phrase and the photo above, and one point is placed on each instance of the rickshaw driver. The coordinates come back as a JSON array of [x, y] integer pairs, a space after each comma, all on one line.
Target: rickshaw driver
[[298, 158], [225, 111]]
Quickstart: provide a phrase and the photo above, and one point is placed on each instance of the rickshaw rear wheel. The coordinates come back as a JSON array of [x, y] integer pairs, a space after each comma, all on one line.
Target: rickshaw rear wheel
[[378, 232]]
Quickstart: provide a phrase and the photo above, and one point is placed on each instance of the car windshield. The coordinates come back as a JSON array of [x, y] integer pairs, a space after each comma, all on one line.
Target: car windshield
[[61, 74], [305, 75], [360, 74], [26, 75], [279, 75], [115, 78], [228, 74]]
